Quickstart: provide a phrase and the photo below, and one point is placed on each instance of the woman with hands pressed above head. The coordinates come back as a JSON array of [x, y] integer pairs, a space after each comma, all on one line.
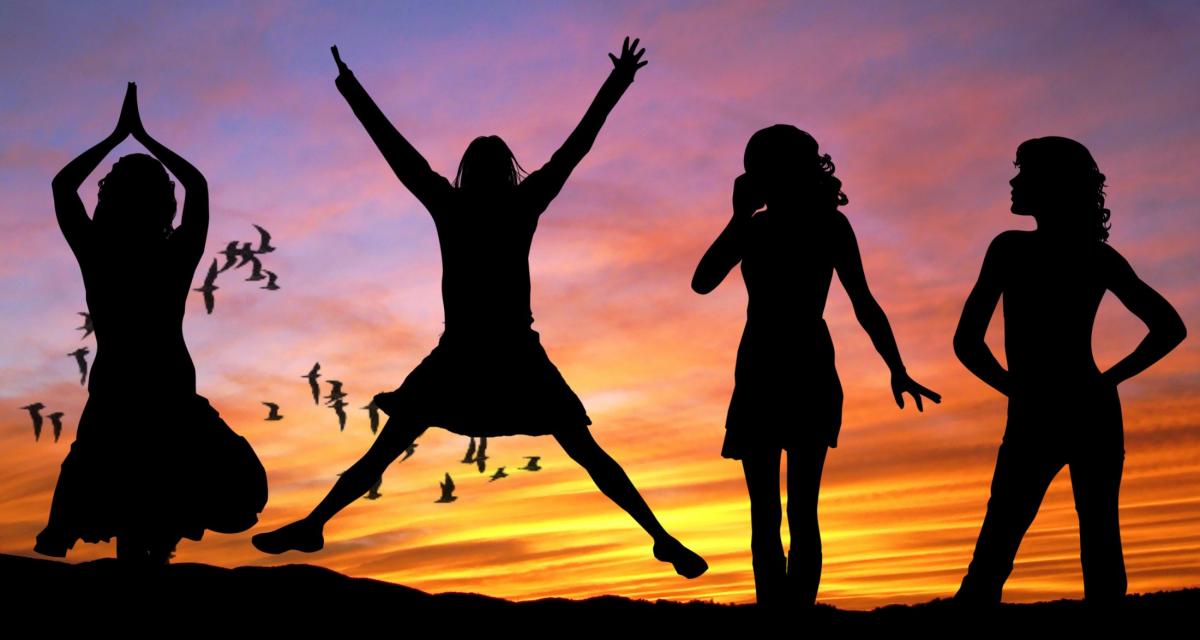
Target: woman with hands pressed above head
[[152, 461], [488, 375], [787, 395]]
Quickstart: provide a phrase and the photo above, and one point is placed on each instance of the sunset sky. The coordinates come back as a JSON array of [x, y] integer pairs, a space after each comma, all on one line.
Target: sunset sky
[[921, 106]]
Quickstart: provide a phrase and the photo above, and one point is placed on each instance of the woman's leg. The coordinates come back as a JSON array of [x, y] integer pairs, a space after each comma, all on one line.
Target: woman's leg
[[766, 515], [1023, 474], [612, 481], [804, 467], [306, 534], [1096, 483]]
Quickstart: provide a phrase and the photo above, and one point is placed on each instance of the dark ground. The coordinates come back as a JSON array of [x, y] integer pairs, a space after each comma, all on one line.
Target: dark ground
[[188, 598]]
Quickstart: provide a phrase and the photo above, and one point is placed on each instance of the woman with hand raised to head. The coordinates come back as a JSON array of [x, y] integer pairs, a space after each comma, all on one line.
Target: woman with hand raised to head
[[786, 394], [152, 461], [488, 375], [1062, 410]]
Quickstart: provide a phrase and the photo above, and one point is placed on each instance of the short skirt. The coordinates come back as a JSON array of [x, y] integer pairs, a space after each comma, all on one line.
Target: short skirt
[[785, 395], [494, 384]]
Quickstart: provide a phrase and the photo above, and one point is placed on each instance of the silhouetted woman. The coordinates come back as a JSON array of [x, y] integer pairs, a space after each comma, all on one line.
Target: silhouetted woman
[[1061, 409], [786, 392], [152, 461], [489, 375]]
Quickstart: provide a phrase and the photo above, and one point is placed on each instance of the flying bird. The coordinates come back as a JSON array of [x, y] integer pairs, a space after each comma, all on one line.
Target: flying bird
[[87, 324], [35, 412], [274, 415], [256, 272], [470, 457], [532, 465], [264, 241], [447, 490], [209, 286], [335, 392], [231, 253], [80, 356], [499, 474], [56, 421], [373, 412], [247, 255], [412, 448], [312, 382], [271, 277], [337, 406], [481, 455]]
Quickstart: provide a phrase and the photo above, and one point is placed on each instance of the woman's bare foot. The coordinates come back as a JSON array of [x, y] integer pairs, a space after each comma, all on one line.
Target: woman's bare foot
[[300, 535], [687, 563]]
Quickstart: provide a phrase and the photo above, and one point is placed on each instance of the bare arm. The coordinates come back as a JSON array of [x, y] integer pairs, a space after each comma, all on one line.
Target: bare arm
[[870, 315], [406, 162], [969, 344], [192, 231], [541, 186], [729, 247], [1167, 330], [68, 207]]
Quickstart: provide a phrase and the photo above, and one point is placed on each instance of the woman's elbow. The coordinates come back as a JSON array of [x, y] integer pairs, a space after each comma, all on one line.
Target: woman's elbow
[[701, 287]]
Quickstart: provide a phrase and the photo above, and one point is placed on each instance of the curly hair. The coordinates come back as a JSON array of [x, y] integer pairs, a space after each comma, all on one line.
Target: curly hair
[[1075, 174], [139, 181], [784, 148]]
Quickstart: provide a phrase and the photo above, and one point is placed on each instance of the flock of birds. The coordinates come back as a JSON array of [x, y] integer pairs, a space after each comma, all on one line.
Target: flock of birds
[[80, 356], [237, 255], [476, 452]]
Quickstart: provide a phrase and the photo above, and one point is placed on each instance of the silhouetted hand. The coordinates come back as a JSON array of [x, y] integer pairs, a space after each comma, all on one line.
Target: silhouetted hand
[[902, 384], [130, 121], [342, 68], [629, 62], [746, 197]]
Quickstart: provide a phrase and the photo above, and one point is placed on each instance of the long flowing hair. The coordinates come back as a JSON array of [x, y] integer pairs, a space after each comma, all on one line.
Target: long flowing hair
[[786, 151], [1075, 176], [488, 161], [140, 191]]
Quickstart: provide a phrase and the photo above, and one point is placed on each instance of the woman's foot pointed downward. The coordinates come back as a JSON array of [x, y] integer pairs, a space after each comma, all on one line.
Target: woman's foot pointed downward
[[687, 563], [300, 535]]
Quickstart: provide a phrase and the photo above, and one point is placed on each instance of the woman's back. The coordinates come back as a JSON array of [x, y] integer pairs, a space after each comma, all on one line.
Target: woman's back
[[137, 298], [787, 266], [1052, 288]]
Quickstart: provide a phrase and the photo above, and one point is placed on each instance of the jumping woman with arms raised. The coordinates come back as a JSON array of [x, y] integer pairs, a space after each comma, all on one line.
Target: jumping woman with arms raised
[[489, 375]]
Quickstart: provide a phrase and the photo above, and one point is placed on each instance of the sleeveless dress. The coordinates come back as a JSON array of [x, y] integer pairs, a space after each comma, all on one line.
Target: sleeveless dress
[[489, 374], [151, 458], [786, 390]]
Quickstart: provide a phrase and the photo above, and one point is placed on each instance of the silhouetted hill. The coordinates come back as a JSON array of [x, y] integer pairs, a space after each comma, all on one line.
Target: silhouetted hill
[[103, 595]]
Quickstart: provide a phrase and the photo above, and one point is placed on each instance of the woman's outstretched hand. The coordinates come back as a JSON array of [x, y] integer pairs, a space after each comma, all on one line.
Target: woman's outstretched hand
[[902, 384], [342, 68], [130, 121], [629, 62]]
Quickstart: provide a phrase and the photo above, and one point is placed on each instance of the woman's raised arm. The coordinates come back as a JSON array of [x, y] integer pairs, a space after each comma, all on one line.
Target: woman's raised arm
[[192, 231], [68, 207], [729, 247], [406, 162], [541, 186]]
